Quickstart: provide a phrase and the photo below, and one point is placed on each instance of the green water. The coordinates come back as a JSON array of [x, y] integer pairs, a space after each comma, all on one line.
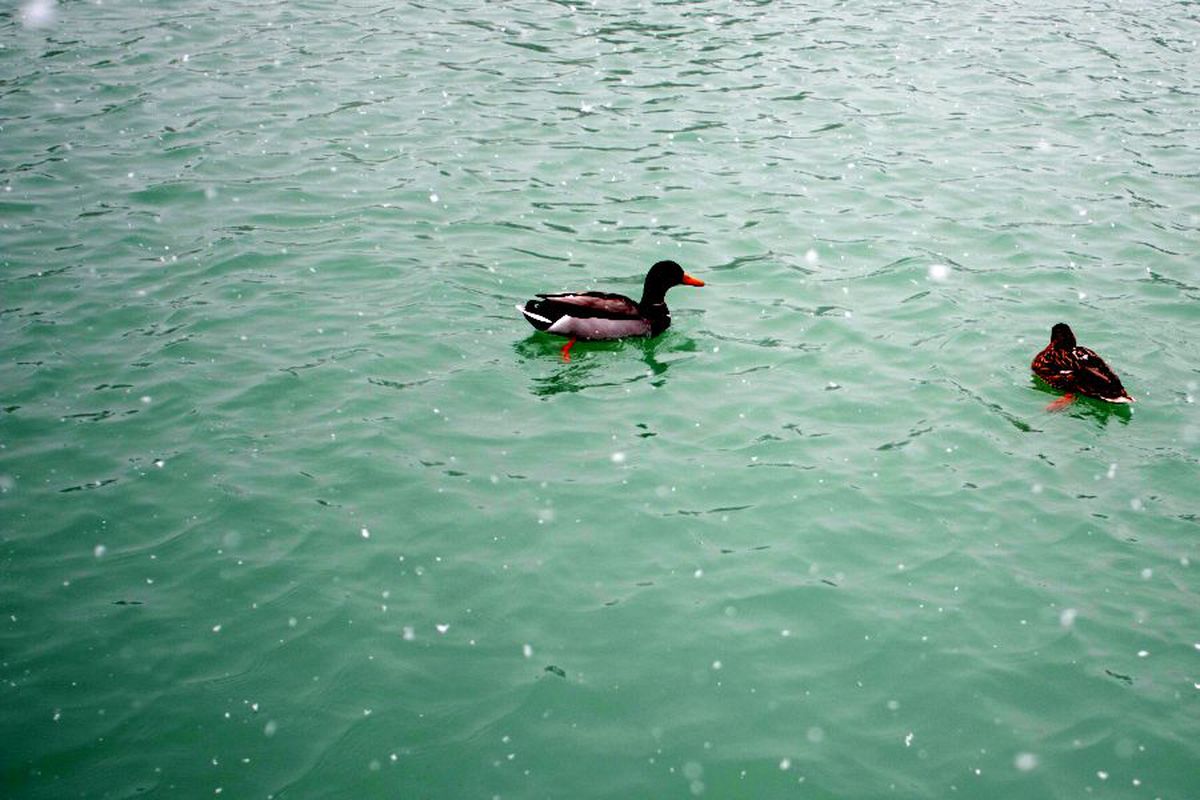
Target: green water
[[293, 504]]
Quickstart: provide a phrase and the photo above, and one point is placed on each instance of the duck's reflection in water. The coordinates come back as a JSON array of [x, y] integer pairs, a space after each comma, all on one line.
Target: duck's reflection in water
[[1084, 407], [599, 364]]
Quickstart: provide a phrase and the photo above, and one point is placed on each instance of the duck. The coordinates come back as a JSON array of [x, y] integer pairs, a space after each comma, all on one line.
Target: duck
[[1073, 369], [602, 315]]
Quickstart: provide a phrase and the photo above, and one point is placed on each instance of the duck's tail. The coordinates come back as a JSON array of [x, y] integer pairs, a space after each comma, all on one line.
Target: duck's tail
[[535, 319]]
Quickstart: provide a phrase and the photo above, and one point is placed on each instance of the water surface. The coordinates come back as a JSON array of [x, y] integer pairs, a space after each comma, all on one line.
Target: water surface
[[294, 504]]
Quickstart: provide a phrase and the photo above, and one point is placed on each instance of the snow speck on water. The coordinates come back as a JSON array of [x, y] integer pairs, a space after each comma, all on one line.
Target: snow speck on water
[[694, 771], [37, 13], [939, 272]]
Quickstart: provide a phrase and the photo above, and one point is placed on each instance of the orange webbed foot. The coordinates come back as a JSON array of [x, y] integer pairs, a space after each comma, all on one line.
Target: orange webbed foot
[[1061, 403]]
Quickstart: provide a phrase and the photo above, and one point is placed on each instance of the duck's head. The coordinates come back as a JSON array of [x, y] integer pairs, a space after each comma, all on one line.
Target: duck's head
[[663, 276], [1061, 336]]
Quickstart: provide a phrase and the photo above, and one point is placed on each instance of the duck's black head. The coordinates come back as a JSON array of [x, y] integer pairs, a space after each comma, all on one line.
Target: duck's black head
[[1061, 336], [663, 276]]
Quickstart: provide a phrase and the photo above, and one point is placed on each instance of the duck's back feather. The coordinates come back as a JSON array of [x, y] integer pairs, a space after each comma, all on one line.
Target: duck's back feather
[[1078, 369], [1055, 367]]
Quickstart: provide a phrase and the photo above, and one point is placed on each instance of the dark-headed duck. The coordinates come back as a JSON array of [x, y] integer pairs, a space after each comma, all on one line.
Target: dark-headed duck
[[601, 315]]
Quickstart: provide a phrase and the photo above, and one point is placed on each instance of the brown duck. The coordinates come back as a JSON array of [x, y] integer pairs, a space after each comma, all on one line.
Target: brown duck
[[1076, 370]]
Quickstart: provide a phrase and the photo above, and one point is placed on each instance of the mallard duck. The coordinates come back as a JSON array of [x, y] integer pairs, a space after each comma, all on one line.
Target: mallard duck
[[600, 315], [1074, 369]]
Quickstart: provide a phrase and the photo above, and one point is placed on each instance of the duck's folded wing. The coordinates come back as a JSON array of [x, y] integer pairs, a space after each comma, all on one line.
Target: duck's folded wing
[[1094, 377], [1055, 367], [587, 304]]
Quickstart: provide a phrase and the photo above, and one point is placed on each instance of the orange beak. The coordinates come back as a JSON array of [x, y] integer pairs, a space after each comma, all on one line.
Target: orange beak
[[690, 281]]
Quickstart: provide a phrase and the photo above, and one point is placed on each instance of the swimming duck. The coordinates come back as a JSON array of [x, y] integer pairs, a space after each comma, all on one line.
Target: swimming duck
[[600, 315], [1074, 369]]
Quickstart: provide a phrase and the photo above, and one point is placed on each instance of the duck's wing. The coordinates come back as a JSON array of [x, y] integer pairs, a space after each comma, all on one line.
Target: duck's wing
[[589, 304], [1056, 367], [1096, 378]]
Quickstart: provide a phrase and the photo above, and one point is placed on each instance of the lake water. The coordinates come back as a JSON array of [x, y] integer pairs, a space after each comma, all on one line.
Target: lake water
[[293, 504]]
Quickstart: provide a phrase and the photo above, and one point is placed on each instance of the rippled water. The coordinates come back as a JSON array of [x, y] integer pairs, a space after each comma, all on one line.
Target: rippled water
[[294, 504]]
